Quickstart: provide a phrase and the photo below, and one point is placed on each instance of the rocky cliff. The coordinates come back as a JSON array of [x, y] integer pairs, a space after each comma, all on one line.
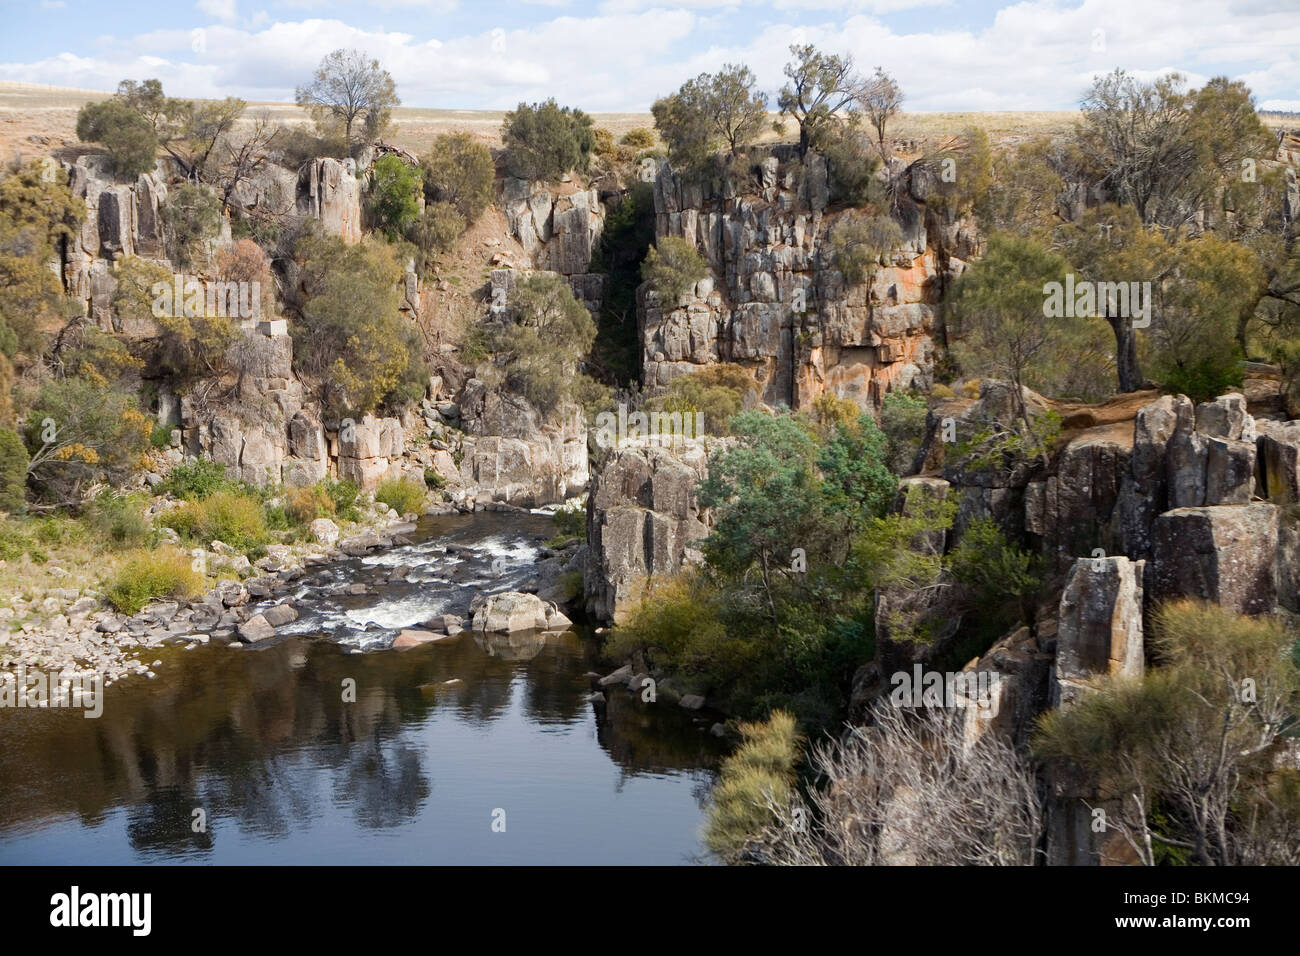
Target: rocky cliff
[[778, 304]]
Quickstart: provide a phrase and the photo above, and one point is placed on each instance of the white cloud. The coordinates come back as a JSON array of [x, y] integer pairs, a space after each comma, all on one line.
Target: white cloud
[[223, 10]]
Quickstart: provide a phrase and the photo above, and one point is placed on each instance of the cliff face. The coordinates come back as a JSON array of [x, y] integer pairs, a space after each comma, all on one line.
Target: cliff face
[[778, 304]]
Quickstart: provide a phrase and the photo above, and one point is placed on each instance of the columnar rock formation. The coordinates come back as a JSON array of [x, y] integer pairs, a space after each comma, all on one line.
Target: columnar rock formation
[[642, 518], [777, 302]]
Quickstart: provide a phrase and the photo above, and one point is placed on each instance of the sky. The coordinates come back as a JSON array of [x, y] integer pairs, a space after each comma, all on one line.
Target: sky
[[620, 55]]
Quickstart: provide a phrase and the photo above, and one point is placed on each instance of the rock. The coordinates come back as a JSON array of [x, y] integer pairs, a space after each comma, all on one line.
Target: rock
[[619, 676], [642, 514], [1278, 447], [279, 615], [324, 532], [1225, 554], [691, 701], [256, 628], [511, 611], [594, 698], [413, 637], [1099, 631], [360, 544]]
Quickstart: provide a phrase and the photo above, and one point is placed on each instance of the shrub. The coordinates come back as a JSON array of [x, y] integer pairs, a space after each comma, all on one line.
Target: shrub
[[196, 479], [718, 393], [435, 231], [344, 495], [13, 471], [149, 575], [570, 522], [1003, 579], [673, 265], [191, 215], [232, 517], [902, 419], [858, 241], [119, 520], [404, 497], [639, 138], [393, 203], [756, 780], [459, 170], [127, 135], [549, 333], [305, 505], [545, 141]]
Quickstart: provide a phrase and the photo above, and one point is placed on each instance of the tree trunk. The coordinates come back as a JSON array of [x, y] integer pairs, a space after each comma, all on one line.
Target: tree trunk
[[1126, 360]]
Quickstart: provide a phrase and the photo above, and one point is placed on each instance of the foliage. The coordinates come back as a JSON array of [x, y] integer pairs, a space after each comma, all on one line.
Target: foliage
[[1002, 579], [191, 216], [710, 111], [570, 523], [119, 520], [628, 233], [548, 331], [1187, 747], [392, 197], [79, 431], [902, 419], [756, 781], [544, 141], [197, 479], [853, 164], [128, 136], [351, 95], [821, 85], [352, 340], [673, 266], [639, 138], [13, 471], [149, 575], [859, 240], [234, 517], [718, 393], [404, 497], [458, 169], [435, 231]]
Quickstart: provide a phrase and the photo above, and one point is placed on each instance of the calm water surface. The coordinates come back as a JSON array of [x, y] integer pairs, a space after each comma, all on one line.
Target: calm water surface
[[414, 772]]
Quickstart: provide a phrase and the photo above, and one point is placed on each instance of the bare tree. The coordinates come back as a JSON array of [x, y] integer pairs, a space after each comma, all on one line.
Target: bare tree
[[911, 788], [243, 157], [348, 87], [880, 98]]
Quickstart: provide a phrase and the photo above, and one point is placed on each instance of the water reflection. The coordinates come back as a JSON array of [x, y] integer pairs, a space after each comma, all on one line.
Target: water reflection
[[284, 770]]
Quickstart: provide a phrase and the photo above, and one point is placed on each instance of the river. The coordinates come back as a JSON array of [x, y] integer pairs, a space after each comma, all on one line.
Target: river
[[252, 756]]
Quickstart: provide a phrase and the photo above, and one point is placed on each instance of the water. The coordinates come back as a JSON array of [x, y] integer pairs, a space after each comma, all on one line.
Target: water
[[416, 771]]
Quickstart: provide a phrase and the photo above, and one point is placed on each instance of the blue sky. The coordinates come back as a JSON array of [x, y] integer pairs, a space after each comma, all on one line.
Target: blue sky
[[621, 54]]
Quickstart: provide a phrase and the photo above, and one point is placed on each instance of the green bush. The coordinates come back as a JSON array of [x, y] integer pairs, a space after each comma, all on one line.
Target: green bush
[[718, 393], [393, 200], [305, 505], [149, 575], [435, 231], [902, 419], [119, 521], [404, 497], [673, 265], [459, 170], [544, 141], [191, 215], [570, 522], [16, 541], [129, 138], [232, 517], [757, 780], [13, 471], [344, 495], [639, 138], [858, 241], [197, 480], [549, 333]]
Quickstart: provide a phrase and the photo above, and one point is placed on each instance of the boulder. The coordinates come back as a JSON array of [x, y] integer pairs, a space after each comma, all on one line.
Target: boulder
[[256, 628], [1099, 629], [1226, 554]]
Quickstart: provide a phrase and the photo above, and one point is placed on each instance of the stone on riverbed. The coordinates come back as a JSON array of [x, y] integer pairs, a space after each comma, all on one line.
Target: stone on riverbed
[[279, 615], [515, 611], [256, 628]]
